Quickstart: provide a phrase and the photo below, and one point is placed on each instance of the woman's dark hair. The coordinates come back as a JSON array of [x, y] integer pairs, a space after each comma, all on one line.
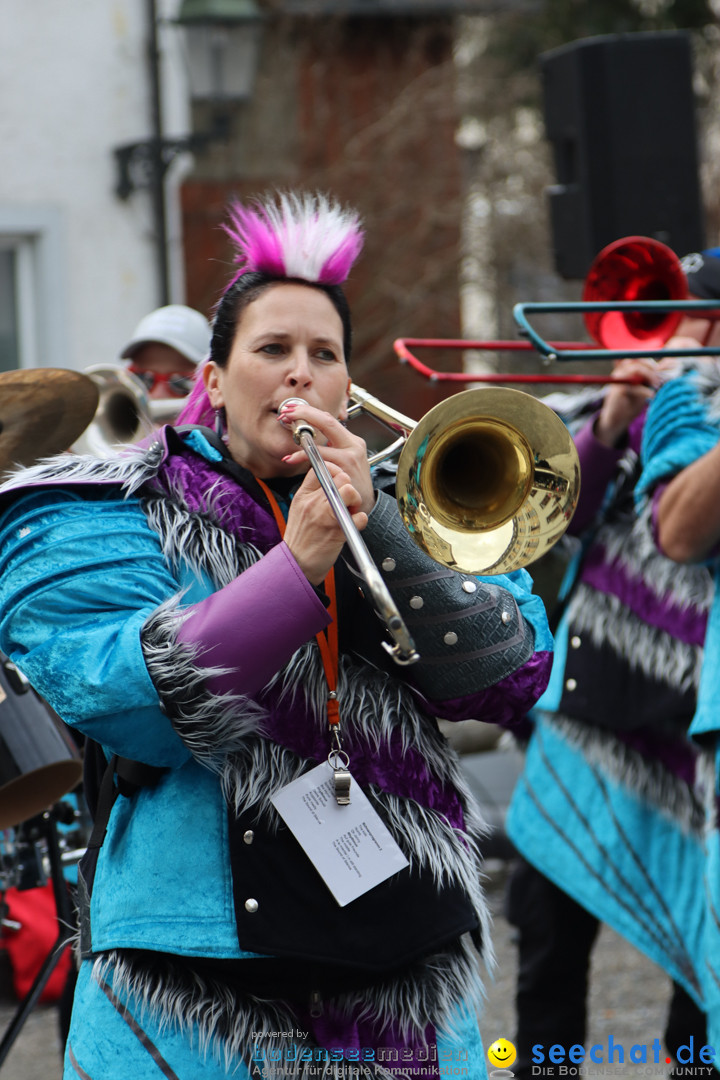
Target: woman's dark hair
[[249, 287]]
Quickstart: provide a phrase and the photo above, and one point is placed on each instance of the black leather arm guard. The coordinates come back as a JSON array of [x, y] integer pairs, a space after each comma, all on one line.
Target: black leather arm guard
[[469, 634]]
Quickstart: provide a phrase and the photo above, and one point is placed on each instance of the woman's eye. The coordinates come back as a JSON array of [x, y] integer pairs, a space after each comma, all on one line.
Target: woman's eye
[[274, 348], [326, 355]]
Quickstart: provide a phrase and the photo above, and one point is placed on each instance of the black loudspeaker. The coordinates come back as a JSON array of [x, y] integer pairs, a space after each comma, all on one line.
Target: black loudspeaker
[[620, 115]]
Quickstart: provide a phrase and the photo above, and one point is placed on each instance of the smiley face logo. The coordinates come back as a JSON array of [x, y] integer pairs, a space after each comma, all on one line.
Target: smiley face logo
[[502, 1053]]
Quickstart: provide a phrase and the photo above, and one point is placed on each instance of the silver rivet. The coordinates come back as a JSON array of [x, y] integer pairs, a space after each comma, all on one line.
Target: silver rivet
[[416, 602], [388, 564], [248, 836], [251, 906], [506, 617], [469, 586], [575, 642], [450, 638], [571, 684]]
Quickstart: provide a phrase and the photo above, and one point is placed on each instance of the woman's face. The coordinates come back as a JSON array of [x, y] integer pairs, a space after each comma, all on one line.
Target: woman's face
[[288, 343]]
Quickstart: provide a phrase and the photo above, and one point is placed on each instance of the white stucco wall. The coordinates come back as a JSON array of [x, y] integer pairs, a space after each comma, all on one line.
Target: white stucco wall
[[74, 84]]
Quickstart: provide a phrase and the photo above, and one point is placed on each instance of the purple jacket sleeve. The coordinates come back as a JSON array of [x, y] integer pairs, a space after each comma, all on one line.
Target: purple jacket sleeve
[[597, 467], [249, 629]]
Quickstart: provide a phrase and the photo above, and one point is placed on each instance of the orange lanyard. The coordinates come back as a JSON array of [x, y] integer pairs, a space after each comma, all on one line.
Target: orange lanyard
[[327, 640]]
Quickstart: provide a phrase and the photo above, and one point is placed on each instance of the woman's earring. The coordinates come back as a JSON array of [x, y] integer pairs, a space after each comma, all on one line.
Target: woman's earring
[[220, 422]]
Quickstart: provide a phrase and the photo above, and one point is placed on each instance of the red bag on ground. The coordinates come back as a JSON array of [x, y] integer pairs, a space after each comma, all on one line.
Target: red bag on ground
[[29, 946]]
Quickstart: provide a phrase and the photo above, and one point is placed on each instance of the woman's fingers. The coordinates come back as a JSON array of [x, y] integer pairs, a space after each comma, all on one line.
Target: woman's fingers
[[335, 445], [313, 532], [643, 367], [342, 481], [324, 423], [624, 401]]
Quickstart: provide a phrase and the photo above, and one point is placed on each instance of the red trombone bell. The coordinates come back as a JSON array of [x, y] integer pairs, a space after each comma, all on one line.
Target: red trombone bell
[[634, 268]]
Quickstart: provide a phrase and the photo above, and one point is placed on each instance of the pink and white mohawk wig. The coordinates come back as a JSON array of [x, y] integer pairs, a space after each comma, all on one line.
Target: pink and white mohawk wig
[[303, 236], [298, 236]]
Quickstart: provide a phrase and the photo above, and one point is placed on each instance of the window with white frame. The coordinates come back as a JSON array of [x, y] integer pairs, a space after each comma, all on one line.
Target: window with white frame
[[33, 318], [9, 330], [18, 289]]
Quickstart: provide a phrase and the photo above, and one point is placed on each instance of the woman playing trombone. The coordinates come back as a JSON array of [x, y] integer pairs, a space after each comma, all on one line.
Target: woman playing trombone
[[186, 605]]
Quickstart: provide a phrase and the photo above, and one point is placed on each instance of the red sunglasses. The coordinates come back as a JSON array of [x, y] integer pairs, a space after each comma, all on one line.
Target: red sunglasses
[[176, 385]]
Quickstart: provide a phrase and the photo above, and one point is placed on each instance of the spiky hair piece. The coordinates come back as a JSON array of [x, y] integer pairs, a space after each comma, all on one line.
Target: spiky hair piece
[[304, 236]]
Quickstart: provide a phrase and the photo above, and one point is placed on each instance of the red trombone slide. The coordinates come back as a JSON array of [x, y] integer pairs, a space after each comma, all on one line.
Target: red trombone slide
[[634, 298]]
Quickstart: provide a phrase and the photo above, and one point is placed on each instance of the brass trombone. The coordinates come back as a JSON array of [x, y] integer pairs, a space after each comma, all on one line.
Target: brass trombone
[[487, 482]]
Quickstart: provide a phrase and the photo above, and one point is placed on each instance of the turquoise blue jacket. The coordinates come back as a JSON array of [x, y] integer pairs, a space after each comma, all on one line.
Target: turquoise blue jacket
[[681, 428], [74, 602]]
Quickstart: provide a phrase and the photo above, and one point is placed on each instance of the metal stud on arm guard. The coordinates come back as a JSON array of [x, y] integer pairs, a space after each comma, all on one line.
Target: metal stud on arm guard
[[470, 634]]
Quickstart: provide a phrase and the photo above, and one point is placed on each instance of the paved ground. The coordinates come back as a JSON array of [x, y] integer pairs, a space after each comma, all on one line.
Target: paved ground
[[35, 1055]]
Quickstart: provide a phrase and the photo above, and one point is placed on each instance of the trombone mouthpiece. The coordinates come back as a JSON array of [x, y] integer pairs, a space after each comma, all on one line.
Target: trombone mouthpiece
[[297, 424]]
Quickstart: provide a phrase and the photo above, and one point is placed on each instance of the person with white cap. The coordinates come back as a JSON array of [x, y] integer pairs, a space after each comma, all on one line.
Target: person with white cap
[[166, 348]]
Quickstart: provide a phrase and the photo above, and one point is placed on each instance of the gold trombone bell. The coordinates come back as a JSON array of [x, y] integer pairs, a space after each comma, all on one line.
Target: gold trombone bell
[[487, 481]]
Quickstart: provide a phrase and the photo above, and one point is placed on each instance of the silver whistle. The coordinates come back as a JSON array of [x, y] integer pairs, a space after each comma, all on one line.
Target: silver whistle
[[342, 780]]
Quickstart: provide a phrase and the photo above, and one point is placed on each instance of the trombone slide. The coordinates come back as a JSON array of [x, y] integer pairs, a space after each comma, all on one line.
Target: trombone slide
[[653, 308], [403, 650]]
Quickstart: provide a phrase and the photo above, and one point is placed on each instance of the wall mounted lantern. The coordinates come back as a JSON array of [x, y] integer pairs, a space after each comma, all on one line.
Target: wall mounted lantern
[[222, 48], [223, 43]]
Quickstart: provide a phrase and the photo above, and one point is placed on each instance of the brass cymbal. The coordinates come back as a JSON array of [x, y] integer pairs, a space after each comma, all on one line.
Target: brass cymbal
[[42, 412]]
